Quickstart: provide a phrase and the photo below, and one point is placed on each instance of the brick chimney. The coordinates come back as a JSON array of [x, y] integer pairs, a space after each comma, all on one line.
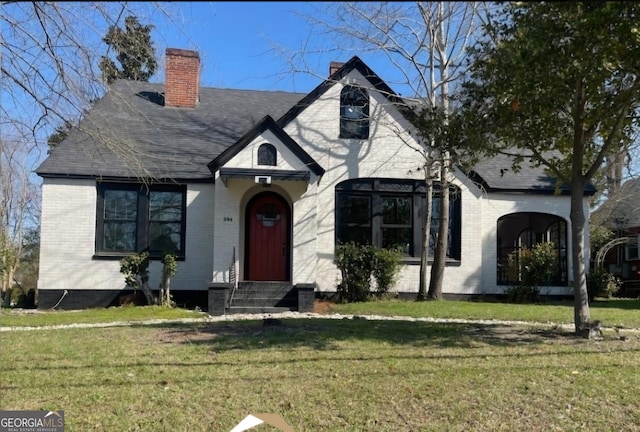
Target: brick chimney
[[334, 66], [182, 78]]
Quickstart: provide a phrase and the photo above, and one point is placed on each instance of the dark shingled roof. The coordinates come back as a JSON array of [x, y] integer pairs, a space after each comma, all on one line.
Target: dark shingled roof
[[131, 124], [495, 174]]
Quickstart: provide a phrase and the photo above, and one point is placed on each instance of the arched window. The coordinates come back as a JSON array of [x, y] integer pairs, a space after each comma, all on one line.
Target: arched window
[[354, 113], [520, 231], [267, 155]]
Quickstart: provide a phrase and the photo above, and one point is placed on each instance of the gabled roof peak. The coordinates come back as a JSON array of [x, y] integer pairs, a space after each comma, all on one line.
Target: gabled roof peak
[[355, 63]]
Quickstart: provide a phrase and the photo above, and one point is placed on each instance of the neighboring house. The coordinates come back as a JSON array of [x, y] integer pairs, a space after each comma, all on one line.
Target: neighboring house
[[254, 189], [621, 214]]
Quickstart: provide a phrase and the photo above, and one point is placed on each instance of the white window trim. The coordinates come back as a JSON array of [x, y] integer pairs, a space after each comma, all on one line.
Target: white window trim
[[627, 250]]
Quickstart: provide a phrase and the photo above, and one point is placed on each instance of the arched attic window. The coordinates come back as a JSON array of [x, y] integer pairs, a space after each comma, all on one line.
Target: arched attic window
[[267, 155], [354, 112]]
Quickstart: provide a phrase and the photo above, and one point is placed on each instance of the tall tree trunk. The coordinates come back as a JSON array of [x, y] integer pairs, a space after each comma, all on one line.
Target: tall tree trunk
[[440, 250], [581, 316], [426, 233], [613, 169], [440, 253], [581, 297]]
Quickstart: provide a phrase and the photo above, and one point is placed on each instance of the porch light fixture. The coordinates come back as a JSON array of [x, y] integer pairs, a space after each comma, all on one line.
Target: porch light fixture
[[263, 180]]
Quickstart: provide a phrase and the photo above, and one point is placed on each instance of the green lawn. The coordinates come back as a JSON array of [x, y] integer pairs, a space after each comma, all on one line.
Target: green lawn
[[37, 318], [330, 374], [612, 312]]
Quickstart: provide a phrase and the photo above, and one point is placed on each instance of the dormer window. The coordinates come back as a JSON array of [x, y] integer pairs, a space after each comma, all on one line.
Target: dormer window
[[354, 113], [267, 155]]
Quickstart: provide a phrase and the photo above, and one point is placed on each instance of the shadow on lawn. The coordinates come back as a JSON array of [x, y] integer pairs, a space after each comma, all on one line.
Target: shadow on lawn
[[323, 334], [332, 339]]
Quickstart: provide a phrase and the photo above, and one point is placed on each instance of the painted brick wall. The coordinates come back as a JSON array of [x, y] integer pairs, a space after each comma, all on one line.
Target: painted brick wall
[[248, 157], [215, 214], [68, 240], [391, 154], [231, 202]]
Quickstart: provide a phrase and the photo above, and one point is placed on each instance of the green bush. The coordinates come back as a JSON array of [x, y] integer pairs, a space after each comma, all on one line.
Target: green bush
[[386, 268], [135, 269], [602, 284], [361, 264], [538, 266], [356, 265]]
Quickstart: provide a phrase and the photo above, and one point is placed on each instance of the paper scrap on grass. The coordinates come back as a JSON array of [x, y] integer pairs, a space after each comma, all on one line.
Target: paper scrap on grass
[[253, 420]]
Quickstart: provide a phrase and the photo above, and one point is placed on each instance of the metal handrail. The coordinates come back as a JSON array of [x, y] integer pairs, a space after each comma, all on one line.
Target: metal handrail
[[233, 282]]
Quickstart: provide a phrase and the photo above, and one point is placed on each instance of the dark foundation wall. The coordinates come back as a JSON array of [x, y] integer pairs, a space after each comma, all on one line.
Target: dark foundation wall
[[86, 299]]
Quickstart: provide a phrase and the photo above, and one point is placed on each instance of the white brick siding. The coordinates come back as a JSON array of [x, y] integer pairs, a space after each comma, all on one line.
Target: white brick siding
[[216, 213], [68, 240]]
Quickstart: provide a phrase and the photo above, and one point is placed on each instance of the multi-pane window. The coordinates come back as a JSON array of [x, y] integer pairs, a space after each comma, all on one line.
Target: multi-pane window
[[388, 213], [120, 220], [354, 113], [165, 221], [354, 224], [518, 232], [397, 223], [267, 155], [132, 218]]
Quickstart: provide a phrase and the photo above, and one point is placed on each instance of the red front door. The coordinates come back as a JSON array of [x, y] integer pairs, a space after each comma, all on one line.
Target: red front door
[[267, 254]]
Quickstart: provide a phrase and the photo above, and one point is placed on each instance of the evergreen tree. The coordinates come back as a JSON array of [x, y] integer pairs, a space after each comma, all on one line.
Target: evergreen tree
[[134, 51]]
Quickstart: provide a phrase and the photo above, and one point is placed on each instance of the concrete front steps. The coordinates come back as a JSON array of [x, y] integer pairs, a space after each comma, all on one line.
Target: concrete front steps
[[263, 297]]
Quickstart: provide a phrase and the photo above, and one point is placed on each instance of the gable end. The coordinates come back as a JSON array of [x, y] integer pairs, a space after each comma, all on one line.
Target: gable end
[[267, 122]]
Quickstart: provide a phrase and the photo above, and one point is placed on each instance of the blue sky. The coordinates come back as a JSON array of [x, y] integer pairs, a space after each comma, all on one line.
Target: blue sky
[[241, 43]]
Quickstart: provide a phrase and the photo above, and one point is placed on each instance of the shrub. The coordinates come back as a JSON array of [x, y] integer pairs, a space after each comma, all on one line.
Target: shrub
[[169, 269], [359, 265], [356, 265], [538, 266], [135, 269], [602, 284], [386, 268]]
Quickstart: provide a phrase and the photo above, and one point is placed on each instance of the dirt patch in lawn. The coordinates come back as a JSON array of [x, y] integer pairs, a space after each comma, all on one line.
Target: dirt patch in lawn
[[495, 334], [321, 306]]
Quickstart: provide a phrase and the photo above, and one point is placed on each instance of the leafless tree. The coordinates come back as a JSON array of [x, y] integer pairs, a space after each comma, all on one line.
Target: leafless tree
[[425, 43], [50, 61], [49, 77], [19, 208]]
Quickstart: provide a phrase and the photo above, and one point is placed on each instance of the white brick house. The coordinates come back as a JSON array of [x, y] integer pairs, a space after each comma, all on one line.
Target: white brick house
[[264, 185]]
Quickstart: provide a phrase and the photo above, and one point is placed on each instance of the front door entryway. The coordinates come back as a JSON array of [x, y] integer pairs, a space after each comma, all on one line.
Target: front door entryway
[[268, 244]]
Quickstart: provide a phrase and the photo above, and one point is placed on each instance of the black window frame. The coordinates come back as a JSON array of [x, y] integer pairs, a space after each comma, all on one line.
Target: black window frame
[[377, 189], [143, 218], [267, 155], [518, 230], [354, 97]]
